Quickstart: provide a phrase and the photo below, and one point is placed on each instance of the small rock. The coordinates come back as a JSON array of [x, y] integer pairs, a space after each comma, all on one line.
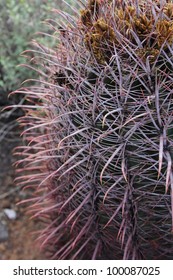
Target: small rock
[[3, 232], [10, 213]]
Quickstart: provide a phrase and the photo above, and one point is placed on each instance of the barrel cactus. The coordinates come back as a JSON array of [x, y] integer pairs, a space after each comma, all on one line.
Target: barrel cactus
[[99, 133]]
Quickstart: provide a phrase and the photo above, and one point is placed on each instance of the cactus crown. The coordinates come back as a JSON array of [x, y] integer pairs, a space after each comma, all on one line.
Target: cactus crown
[[102, 133], [152, 28]]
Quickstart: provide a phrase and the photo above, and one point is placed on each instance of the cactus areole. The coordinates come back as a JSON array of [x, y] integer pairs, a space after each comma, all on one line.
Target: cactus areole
[[99, 133]]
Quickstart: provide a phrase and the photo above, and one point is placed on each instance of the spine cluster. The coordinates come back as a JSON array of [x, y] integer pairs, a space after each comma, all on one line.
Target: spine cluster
[[99, 132]]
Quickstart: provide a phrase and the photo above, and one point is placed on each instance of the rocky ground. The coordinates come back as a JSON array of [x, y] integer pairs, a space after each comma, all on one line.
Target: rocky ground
[[17, 241]]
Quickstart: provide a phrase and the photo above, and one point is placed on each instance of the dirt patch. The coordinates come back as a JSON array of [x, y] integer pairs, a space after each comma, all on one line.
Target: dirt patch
[[21, 242]]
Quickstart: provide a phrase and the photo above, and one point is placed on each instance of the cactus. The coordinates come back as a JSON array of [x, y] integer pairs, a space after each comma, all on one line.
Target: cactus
[[99, 133]]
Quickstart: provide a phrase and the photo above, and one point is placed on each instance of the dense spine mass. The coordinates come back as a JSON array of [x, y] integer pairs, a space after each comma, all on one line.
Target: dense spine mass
[[100, 133]]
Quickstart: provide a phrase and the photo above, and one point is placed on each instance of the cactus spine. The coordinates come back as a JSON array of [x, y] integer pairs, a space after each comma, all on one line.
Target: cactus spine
[[100, 133]]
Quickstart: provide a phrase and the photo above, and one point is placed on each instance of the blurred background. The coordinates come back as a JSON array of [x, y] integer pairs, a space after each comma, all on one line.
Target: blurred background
[[19, 21]]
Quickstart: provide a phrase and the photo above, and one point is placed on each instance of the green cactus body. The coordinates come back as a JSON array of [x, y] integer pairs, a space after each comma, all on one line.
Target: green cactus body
[[102, 162]]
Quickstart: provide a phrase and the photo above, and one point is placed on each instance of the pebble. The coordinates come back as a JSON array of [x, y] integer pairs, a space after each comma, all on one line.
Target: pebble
[[10, 213], [3, 232]]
